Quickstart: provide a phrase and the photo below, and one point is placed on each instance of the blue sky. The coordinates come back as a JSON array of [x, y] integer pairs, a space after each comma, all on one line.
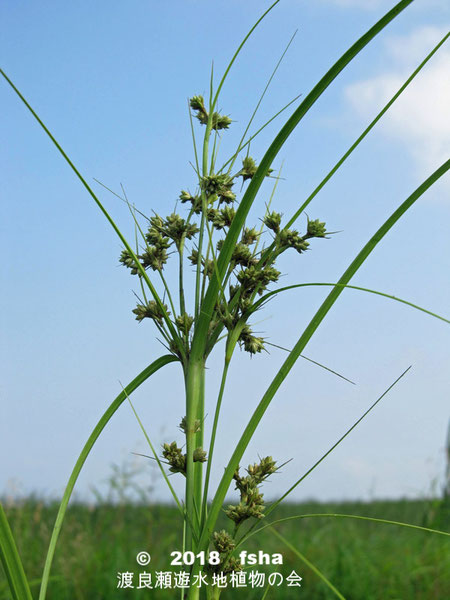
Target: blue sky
[[111, 80]]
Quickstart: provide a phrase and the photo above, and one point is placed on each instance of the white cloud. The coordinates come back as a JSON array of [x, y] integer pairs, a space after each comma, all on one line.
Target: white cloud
[[409, 50], [420, 118]]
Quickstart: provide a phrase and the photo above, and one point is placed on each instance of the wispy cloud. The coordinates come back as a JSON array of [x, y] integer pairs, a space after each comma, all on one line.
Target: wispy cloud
[[420, 119]]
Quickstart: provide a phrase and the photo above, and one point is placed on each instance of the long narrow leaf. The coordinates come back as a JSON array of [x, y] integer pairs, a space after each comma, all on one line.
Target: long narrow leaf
[[273, 506], [236, 54], [9, 555], [212, 105], [258, 131], [122, 238], [201, 330], [372, 124], [314, 362], [358, 141], [258, 104], [359, 517], [304, 339], [308, 563], [129, 389], [156, 457], [269, 295]]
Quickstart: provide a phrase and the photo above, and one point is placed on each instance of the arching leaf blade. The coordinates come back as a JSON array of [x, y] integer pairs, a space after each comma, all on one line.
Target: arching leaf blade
[[106, 417], [304, 339], [273, 293], [201, 329], [308, 563]]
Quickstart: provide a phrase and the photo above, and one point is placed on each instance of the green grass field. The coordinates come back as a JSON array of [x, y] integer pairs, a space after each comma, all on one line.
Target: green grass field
[[365, 561]]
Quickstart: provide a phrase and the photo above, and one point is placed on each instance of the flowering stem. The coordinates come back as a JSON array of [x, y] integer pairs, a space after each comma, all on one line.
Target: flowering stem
[[182, 302], [195, 381], [213, 439]]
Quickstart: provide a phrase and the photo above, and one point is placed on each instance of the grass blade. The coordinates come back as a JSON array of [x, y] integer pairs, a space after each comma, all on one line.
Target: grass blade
[[309, 564], [120, 198], [360, 517], [273, 506], [129, 389], [304, 339], [258, 131], [258, 104], [12, 565], [350, 287], [366, 131], [122, 238], [269, 250], [200, 334], [314, 362], [266, 592], [236, 54], [156, 457]]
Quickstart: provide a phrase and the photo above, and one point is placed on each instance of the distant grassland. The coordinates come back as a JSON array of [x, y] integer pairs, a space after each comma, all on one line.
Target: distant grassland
[[365, 561]]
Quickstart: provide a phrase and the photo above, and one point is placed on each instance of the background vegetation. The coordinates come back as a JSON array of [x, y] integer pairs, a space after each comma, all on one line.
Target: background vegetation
[[365, 561]]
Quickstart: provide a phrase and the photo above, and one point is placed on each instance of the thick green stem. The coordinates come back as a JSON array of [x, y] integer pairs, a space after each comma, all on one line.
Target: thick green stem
[[212, 593], [180, 275], [205, 155], [199, 437], [194, 593], [213, 439], [195, 382]]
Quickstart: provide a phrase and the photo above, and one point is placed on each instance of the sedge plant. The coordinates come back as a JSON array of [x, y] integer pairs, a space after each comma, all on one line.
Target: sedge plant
[[233, 266]]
